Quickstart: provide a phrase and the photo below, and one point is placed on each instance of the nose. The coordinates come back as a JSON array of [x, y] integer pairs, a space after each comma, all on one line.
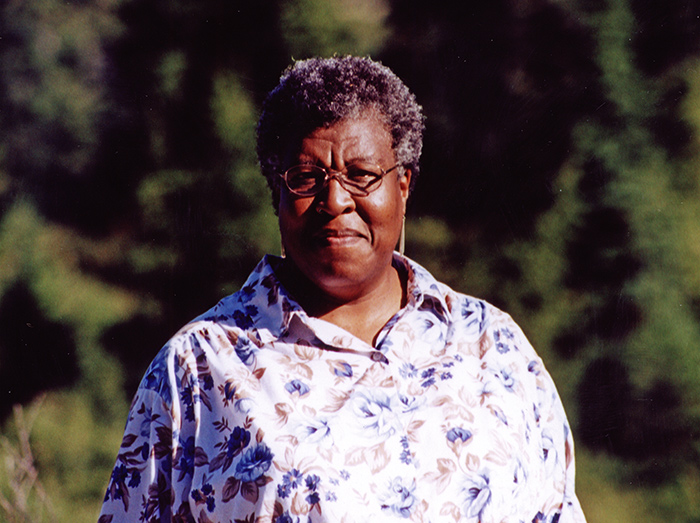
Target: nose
[[334, 199]]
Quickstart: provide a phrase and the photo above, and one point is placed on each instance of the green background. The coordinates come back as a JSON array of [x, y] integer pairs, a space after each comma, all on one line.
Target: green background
[[560, 181]]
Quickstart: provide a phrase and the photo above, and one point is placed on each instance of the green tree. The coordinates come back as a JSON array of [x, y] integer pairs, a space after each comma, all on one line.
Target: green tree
[[130, 198], [560, 183], [609, 282], [573, 203]]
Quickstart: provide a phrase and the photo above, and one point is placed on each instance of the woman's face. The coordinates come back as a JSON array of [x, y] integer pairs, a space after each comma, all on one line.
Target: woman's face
[[343, 243]]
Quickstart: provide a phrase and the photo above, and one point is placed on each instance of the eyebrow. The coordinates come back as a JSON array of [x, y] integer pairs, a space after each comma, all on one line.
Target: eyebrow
[[353, 160]]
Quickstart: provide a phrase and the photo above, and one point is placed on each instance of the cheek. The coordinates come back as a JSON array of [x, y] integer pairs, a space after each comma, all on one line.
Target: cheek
[[385, 217], [293, 209], [389, 208]]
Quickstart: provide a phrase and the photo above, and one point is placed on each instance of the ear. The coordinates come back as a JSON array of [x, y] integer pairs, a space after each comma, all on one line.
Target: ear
[[405, 184]]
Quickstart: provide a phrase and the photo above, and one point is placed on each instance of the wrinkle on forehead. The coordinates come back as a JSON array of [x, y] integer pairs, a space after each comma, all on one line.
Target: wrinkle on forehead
[[344, 142]]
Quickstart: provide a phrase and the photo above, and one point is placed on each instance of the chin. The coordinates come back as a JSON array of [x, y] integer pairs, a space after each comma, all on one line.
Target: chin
[[336, 275]]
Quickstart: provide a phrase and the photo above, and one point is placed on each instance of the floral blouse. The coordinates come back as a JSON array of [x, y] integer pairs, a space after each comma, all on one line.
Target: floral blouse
[[256, 412]]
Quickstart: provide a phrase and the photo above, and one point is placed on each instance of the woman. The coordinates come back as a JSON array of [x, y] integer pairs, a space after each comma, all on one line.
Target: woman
[[343, 382]]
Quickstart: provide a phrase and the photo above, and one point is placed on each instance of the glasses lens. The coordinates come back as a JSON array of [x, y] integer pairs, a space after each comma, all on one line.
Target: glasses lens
[[362, 176], [305, 179], [358, 178]]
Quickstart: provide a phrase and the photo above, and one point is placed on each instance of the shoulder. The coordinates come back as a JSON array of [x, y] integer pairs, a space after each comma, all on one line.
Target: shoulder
[[227, 334], [429, 293], [468, 317]]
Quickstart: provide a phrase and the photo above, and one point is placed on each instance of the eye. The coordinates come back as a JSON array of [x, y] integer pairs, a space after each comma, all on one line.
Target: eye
[[363, 174], [304, 176]]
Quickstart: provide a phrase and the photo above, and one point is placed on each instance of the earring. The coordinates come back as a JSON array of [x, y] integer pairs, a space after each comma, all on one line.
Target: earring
[[402, 238], [283, 253]]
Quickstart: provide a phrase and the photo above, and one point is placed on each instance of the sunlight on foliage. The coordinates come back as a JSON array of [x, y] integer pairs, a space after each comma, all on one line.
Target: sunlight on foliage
[[321, 27], [80, 463], [22, 495], [235, 115], [131, 199], [171, 72]]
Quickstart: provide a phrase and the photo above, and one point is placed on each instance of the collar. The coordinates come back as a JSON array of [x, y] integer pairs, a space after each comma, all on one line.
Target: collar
[[423, 291], [264, 305]]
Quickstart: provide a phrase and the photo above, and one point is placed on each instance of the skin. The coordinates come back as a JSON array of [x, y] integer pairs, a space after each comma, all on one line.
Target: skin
[[339, 246]]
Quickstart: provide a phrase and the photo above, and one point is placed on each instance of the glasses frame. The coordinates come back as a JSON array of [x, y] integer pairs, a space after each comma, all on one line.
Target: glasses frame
[[341, 177]]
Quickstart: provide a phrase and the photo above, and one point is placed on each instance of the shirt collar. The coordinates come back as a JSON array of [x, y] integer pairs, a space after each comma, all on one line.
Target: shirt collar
[[423, 291], [273, 307]]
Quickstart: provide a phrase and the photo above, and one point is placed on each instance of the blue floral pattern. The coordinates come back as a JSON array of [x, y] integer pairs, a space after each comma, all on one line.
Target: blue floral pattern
[[256, 412]]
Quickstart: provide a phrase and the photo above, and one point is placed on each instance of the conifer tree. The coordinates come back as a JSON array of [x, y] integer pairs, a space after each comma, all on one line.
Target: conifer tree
[[610, 279]]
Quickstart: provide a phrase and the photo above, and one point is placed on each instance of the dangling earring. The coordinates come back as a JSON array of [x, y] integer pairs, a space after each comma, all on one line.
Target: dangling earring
[[402, 238], [283, 253]]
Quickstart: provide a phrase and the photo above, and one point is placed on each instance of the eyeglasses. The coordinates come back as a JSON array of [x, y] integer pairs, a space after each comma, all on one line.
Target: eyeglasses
[[358, 179]]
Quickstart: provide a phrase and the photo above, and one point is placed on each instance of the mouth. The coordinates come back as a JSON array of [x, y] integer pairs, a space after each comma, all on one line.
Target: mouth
[[339, 237]]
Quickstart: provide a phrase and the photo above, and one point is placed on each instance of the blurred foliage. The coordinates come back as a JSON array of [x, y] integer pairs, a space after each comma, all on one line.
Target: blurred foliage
[[23, 498], [322, 28], [560, 181]]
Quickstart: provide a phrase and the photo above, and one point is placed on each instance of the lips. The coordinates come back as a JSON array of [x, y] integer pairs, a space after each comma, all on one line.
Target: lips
[[339, 237]]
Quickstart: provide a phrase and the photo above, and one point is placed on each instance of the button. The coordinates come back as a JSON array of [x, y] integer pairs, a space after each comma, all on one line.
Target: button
[[378, 356]]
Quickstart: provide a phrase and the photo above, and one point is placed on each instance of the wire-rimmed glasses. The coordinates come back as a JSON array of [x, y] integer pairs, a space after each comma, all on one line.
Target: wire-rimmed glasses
[[359, 179]]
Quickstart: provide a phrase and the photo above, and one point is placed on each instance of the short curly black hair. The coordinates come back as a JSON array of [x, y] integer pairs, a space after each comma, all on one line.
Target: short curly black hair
[[318, 92]]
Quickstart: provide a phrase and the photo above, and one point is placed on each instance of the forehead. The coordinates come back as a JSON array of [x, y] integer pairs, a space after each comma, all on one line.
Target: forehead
[[364, 137]]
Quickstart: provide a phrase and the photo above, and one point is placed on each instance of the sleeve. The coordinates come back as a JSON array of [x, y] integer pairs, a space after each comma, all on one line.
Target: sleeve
[[557, 452], [571, 511], [558, 447], [140, 486]]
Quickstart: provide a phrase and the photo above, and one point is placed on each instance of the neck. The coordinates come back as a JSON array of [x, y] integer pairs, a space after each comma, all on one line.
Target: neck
[[362, 314]]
